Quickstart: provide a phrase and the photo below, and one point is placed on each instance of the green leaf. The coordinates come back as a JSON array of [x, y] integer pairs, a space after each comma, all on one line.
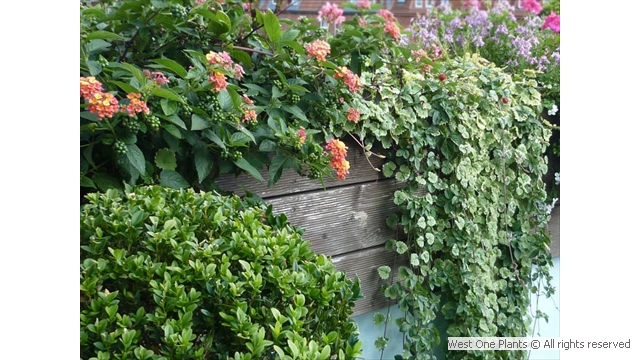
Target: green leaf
[[243, 164], [124, 86], [267, 146], [415, 260], [388, 169], [272, 26], [166, 159], [204, 161], [86, 182], [198, 123], [176, 120], [168, 107], [173, 66], [239, 139], [166, 93], [136, 157], [173, 180], [106, 181], [295, 111], [102, 34], [276, 167], [384, 272], [94, 67], [211, 135], [225, 101], [174, 131]]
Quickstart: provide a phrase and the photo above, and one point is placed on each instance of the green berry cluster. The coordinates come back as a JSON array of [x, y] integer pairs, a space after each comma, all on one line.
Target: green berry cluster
[[277, 83], [120, 147], [103, 61], [234, 155], [131, 124], [179, 11], [154, 122], [295, 98]]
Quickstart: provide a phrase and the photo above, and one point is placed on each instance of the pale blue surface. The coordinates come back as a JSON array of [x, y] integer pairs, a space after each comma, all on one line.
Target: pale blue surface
[[369, 332]]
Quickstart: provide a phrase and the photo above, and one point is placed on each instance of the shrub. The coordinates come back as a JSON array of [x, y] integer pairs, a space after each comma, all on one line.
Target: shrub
[[176, 274]]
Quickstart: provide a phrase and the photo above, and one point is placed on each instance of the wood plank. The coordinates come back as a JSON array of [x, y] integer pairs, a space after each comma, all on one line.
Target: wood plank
[[364, 264], [342, 219], [554, 229], [291, 182]]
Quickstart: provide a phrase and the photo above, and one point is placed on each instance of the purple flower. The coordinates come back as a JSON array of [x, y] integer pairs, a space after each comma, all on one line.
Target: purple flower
[[502, 6], [502, 29], [556, 56]]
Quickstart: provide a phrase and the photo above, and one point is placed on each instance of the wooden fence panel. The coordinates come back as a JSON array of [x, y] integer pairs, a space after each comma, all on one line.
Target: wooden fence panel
[[344, 219], [364, 264]]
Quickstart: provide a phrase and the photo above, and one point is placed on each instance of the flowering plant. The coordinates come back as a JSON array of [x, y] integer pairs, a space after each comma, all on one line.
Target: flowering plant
[[529, 46]]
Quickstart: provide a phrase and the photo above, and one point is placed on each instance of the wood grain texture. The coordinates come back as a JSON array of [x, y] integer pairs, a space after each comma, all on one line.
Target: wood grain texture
[[364, 264], [344, 219], [291, 182]]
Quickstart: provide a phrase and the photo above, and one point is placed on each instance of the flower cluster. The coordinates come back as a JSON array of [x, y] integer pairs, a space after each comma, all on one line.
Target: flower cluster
[[318, 49], [218, 80], [338, 153], [331, 13], [89, 86], [532, 6], [103, 105], [135, 105], [249, 115], [363, 5], [222, 62], [100, 103], [349, 78], [552, 22], [390, 25], [302, 134], [157, 76], [354, 115]]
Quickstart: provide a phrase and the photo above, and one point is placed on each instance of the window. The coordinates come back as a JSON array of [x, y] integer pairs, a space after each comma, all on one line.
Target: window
[[401, 1], [418, 4], [442, 2]]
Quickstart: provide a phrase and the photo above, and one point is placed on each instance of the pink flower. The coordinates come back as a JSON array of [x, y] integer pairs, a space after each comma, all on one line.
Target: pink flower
[[386, 14], [318, 49], [354, 115], [552, 22], [331, 13], [200, 2], [362, 22], [247, 100], [239, 71], [350, 79], [363, 4], [468, 4], [249, 116], [218, 81], [302, 134], [392, 29], [222, 58], [532, 6]]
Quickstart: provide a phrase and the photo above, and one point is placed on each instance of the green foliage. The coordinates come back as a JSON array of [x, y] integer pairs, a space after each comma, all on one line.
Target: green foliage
[[176, 274]]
